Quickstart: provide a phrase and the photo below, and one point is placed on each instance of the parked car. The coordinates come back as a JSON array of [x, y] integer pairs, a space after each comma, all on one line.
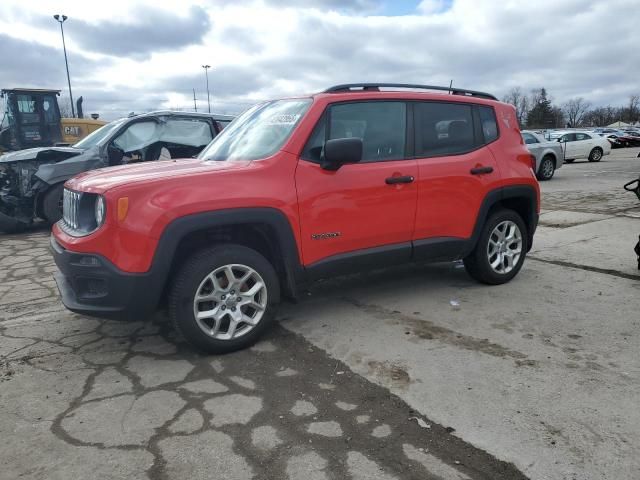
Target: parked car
[[297, 190], [549, 155], [602, 131], [620, 139], [31, 181], [584, 145]]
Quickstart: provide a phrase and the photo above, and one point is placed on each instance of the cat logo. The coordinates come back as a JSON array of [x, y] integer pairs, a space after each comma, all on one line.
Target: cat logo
[[325, 236], [73, 131]]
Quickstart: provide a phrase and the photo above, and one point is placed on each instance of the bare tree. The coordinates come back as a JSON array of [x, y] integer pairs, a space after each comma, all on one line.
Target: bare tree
[[634, 103], [575, 110], [518, 99]]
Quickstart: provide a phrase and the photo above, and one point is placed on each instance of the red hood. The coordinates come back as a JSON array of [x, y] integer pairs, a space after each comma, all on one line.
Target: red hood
[[103, 179]]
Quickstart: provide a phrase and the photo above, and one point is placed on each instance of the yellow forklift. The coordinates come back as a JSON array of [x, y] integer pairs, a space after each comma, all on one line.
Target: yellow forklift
[[32, 119]]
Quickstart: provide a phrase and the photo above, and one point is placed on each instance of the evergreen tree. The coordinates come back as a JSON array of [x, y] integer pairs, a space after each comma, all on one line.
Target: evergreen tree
[[541, 114]]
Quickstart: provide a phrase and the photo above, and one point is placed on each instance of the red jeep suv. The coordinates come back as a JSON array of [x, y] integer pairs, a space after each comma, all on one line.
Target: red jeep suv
[[357, 177]]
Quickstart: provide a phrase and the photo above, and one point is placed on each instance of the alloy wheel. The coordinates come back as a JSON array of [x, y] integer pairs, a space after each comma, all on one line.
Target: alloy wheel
[[230, 302], [505, 247]]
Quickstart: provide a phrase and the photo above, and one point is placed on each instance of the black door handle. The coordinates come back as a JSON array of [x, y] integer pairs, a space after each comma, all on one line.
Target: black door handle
[[481, 170], [403, 179]]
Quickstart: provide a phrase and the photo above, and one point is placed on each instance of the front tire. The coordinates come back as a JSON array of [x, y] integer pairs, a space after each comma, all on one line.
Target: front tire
[[499, 253], [595, 155], [224, 298], [52, 204], [547, 168]]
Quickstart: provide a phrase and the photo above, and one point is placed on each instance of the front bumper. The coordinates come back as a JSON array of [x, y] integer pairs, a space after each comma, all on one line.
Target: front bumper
[[91, 285]]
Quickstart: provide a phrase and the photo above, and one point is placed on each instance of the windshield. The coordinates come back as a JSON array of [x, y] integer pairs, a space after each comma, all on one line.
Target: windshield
[[257, 133], [97, 136]]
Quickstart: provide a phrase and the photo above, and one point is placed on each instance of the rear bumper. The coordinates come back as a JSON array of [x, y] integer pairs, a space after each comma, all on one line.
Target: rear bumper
[[91, 285]]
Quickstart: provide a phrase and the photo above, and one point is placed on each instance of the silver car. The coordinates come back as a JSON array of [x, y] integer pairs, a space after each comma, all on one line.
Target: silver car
[[549, 155]]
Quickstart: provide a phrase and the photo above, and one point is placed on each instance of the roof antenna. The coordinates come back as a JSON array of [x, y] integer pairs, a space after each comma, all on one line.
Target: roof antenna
[[450, 85]]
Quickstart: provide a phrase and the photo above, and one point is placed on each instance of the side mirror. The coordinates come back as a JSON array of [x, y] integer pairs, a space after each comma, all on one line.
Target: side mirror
[[341, 151], [115, 155]]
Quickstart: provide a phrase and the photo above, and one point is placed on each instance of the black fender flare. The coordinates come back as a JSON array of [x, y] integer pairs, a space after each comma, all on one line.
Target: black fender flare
[[179, 228], [498, 195]]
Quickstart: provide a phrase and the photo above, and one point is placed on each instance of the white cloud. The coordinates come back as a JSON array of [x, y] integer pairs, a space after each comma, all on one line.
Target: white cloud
[[258, 49]]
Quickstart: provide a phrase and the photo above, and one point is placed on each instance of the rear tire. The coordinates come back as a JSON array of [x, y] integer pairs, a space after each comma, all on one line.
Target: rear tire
[[209, 285], [547, 168], [595, 155], [503, 237], [52, 204]]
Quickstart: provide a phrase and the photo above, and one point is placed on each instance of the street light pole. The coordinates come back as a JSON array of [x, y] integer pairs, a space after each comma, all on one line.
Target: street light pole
[[61, 19], [206, 73]]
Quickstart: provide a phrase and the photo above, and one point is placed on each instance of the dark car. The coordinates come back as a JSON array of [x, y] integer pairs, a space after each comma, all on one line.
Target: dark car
[[621, 139], [31, 181]]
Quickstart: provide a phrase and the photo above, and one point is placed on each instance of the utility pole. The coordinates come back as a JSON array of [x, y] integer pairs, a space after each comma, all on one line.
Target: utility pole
[[206, 73], [61, 19], [195, 105]]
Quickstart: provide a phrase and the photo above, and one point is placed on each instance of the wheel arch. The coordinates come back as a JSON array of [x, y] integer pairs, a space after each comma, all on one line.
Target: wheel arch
[[523, 199], [266, 230], [552, 154]]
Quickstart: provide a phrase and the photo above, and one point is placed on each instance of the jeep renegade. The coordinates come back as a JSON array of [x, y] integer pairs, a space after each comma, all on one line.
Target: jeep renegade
[[357, 177]]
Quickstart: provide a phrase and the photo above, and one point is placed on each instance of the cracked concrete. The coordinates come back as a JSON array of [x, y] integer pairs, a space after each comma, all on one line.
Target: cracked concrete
[[108, 399], [428, 392]]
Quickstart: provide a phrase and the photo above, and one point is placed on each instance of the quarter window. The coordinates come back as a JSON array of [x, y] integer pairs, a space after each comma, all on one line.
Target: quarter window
[[490, 124], [444, 129]]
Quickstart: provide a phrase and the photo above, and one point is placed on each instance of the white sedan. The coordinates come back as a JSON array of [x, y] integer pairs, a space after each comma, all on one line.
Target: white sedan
[[584, 145]]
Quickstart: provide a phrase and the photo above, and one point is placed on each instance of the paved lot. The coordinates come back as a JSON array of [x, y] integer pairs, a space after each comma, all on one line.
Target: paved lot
[[413, 372]]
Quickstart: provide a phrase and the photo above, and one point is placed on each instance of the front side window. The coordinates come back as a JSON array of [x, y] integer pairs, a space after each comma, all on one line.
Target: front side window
[[380, 125], [26, 103], [96, 137], [258, 133], [444, 129], [137, 136]]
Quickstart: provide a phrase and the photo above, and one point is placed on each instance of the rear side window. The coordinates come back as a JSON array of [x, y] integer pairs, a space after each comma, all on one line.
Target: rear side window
[[490, 124], [529, 139], [444, 129], [582, 136], [380, 125]]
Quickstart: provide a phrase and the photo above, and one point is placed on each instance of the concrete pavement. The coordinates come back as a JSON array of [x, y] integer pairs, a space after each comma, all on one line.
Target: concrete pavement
[[412, 372]]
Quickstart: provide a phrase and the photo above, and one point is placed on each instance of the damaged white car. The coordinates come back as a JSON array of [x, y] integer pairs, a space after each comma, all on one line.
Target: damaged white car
[[31, 181]]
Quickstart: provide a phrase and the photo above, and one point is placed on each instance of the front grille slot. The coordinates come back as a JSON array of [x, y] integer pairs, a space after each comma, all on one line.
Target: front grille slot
[[71, 208]]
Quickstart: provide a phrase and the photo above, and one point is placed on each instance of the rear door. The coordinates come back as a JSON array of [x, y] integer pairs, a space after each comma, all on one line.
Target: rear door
[[584, 144], [362, 213], [455, 170]]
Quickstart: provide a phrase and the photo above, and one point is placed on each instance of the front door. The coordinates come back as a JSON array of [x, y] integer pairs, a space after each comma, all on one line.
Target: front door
[[362, 214], [571, 147]]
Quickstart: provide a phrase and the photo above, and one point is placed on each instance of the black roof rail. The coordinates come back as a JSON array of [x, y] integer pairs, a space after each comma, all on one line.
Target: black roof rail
[[367, 87]]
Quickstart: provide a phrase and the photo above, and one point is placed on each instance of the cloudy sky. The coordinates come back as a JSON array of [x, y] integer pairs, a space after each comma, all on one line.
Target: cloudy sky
[[141, 55]]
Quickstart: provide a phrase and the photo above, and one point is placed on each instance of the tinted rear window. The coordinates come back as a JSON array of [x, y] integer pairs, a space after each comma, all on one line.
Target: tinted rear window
[[444, 129]]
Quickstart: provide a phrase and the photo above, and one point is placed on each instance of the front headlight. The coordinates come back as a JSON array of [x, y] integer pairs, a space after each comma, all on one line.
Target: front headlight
[[100, 210], [82, 212]]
